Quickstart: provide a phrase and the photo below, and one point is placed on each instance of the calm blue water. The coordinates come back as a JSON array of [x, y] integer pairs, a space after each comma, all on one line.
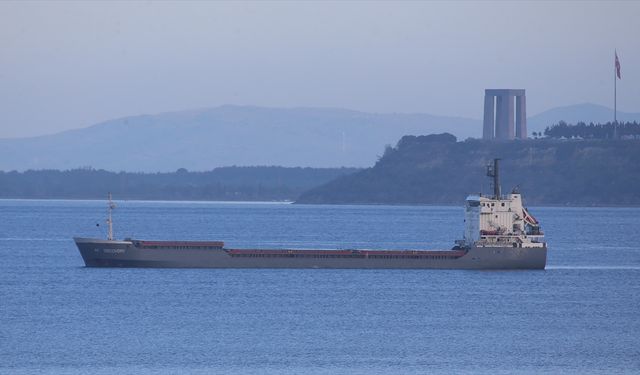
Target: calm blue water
[[581, 315]]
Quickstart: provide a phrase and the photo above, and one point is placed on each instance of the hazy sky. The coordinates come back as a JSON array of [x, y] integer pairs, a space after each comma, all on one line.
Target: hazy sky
[[69, 65]]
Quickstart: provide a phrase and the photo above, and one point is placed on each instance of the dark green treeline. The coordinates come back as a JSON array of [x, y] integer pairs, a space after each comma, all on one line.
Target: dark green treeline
[[437, 169], [228, 183]]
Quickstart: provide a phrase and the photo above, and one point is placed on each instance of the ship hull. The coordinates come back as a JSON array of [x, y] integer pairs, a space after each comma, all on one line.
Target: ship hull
[[104, 253]]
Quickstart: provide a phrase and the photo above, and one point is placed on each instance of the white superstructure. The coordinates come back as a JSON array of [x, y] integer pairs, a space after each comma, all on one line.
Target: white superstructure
[[499, 221]]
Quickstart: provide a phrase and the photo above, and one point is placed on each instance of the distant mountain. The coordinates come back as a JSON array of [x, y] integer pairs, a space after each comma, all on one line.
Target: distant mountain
[[226, 136], [586, 112], [245, 136]]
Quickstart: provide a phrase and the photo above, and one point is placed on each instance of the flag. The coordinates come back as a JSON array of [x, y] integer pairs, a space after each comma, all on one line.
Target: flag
[[617, 66]]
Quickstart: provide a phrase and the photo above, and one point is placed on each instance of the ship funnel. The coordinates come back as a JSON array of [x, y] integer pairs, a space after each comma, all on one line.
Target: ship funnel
[[494, 171]]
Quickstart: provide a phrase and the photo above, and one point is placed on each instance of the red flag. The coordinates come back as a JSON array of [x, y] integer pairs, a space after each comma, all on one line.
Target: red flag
[[617, 66]]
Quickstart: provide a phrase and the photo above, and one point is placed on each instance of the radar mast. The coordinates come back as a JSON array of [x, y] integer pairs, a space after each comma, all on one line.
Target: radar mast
[[494, 171], [110, 207]]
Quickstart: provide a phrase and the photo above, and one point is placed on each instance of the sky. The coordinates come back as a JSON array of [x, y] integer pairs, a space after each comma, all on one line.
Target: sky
[[67, 65]]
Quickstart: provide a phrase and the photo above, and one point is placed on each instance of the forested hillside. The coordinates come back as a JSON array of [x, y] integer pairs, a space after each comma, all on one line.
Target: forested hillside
[[436, 169], [582, 130]]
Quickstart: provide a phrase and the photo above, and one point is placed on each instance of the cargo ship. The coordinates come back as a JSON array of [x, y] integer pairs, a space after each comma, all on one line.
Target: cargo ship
[[499, 233]]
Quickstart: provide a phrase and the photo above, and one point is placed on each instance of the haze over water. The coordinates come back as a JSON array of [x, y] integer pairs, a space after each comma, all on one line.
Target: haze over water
[[579, 316]]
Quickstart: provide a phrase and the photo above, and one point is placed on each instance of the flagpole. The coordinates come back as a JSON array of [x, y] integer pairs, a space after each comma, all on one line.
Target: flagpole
[[615, 99]]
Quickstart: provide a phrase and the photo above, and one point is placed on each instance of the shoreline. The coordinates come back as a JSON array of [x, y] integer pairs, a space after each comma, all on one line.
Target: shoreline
[[290, 202]]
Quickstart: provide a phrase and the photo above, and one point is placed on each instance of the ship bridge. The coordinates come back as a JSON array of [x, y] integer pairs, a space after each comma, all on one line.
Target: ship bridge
[[499, 219]]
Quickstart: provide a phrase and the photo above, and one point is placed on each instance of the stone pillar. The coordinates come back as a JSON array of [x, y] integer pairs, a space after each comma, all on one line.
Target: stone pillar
[[521, 117], [504, 117], [501, 118], [510, 116], [487, 128], [503, 126]]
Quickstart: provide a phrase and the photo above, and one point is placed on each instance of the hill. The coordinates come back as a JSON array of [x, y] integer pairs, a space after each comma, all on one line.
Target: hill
[[439, 170], [225, 136], [208, 138]]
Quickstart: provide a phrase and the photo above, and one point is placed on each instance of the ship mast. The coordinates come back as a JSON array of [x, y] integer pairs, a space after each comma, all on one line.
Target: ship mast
[[494, 171], [110, 207]]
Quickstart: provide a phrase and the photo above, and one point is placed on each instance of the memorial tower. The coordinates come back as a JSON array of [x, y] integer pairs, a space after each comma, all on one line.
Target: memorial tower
[[501, 125]]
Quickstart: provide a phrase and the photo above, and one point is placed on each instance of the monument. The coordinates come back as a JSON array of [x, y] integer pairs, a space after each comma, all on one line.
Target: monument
[[501, 126]]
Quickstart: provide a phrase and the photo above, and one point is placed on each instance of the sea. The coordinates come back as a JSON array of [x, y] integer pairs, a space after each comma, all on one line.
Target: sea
[[581, 315]]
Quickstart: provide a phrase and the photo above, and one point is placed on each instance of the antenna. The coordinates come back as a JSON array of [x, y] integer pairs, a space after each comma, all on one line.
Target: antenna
[[494, 171], [110, 207]]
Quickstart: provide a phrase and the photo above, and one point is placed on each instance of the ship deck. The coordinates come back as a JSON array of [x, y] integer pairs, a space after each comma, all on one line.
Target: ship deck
[[385, 254], [299, 253]]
